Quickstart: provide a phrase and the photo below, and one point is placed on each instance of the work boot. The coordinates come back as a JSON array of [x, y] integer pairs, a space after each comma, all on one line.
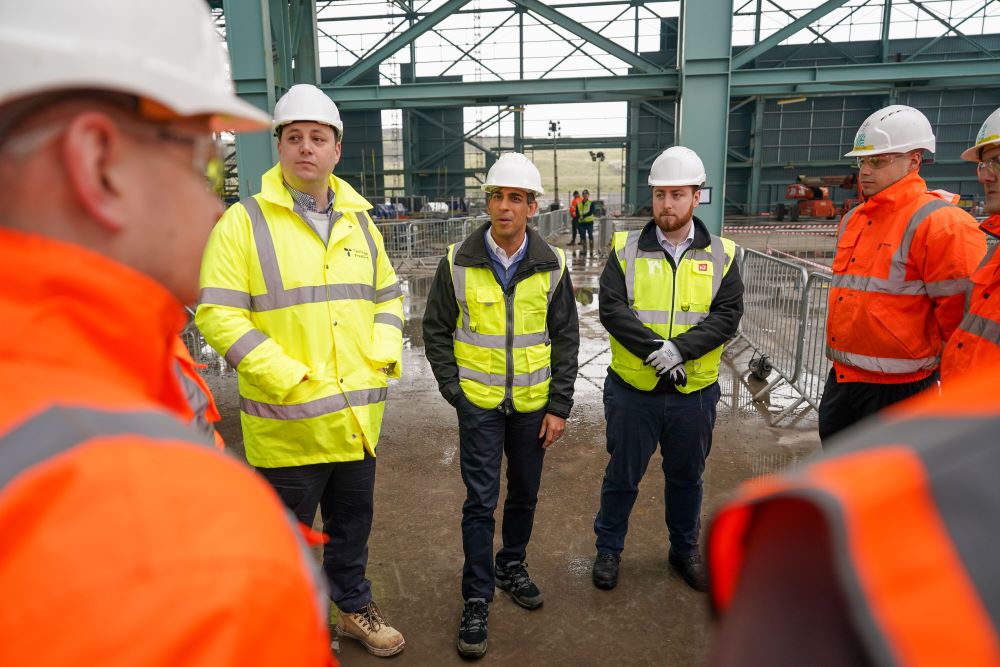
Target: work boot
[[514, 579], [605, 572], [369, 626], [472, 630], [692, 569], [583, 243]]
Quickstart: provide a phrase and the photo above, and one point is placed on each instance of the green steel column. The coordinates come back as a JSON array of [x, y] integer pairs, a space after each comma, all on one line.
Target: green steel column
[[281, 34], [703, 93], [305, 44], [248, 32], [756, 155], [632, 183]]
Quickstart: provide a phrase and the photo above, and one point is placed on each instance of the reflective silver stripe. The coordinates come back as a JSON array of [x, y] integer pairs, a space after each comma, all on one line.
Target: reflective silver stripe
[[372, 248], [983, 327], [298, 296], [390, 319], [219, 296], [196, 399], [499, 341], [947, 287], [244, 345], [718, 264], [318, 408], [689, 318], [496, 380], [59, 429], [631, 252], [878, 285], [652, 316], [389, 293], [882, 364], [458, 280], [897, 269], [845, 220], [266, 254]]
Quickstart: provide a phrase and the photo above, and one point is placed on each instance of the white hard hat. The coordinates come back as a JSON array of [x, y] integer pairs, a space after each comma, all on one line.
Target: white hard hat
[[894, 129], [305, 102], [164, 52], [677, 166], [989, 135], [514, 170]]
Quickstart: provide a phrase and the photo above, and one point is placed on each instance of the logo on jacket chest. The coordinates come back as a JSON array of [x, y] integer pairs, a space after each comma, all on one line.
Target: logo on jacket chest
[[360, 253]]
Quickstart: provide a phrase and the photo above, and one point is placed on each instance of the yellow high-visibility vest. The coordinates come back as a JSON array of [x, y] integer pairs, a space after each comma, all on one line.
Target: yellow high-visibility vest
[[670, 303], [281, 306], [502, 344]]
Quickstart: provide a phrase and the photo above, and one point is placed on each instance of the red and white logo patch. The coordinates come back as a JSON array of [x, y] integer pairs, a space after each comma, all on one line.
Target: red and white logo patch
[[703, 266]]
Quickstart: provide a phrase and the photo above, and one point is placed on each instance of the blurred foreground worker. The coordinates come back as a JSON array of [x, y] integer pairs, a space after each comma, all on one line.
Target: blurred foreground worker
[[976, 342], [882, 554], [300, 297], [125, 537], [202, 412], [900, 271], [585, 222], [574, 216], [502, 335], [670, 296]]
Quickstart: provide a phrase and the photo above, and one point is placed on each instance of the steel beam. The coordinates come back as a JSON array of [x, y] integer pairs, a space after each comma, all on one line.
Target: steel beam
[[703, 57], [248, 33], [398, 42], [746, 55], [305, 45], [583, 32]]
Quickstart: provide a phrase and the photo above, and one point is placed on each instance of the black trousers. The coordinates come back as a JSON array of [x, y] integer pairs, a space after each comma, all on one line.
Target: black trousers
[[844, 404], [345, 494], [484, 437]]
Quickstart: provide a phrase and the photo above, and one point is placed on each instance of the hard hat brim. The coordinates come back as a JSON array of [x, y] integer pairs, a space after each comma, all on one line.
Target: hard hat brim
[[972, 153]]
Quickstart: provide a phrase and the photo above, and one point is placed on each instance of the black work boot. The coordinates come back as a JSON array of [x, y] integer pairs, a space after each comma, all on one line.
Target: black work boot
[[692, 569], [514, 579], [472, 630], [605, 572]]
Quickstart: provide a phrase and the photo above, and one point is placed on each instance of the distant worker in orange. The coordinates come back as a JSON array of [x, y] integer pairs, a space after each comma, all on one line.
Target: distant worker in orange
[[882, 554], [976, 342], [903, 259], [126, 538], [574, 216]]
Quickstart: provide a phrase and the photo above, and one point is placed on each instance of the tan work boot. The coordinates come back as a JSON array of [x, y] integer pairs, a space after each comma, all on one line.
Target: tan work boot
[[368, 626]]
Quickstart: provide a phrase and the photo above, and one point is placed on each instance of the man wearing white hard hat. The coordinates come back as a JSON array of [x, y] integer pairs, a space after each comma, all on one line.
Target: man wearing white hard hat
[[300, 297], [976, 342], [902, 263], [501, 334], [112, 509], [670, 297]]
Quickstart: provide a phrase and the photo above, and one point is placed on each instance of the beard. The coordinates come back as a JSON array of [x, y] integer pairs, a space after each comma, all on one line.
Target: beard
[[674, 222]]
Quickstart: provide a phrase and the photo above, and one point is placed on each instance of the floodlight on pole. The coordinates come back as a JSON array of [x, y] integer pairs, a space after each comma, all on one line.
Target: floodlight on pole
[[554, 132], [597, 157]]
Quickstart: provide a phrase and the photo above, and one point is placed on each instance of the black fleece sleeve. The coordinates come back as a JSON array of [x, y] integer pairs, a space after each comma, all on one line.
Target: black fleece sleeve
[[618, 318], [440, 318], [564, 331], [722, 322]]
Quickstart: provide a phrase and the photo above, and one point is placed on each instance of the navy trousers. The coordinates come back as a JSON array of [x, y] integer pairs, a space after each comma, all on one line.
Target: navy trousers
[[682, 424], [484, 437], [345, 493]]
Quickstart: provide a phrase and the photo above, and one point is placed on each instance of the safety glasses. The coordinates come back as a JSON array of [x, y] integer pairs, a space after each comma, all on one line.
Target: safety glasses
[[877, 161], [990, 166]]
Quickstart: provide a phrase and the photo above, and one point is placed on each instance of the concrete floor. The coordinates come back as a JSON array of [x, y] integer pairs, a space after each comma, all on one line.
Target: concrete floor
[[651, 618]]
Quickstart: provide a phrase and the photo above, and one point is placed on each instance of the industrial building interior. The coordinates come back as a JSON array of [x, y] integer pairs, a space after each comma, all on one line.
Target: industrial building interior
[[770, 93]]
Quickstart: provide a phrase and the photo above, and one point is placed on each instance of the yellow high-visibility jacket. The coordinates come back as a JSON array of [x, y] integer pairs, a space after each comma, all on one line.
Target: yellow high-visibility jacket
[[314, 331]]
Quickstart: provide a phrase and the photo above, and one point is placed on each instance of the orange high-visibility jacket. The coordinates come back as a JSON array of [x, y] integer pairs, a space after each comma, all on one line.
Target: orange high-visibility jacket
[[976, 342], [574, 205], [125, 537], [202, 413], [899, 276], [910, 507]]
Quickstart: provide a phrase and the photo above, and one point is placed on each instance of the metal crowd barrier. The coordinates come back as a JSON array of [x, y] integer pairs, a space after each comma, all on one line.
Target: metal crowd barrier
[[785, 319], [421, 243]]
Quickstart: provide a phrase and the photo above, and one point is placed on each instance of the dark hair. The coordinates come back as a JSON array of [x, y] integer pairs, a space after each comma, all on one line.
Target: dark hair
[[576, 193], [281, 128], [531, 196]]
